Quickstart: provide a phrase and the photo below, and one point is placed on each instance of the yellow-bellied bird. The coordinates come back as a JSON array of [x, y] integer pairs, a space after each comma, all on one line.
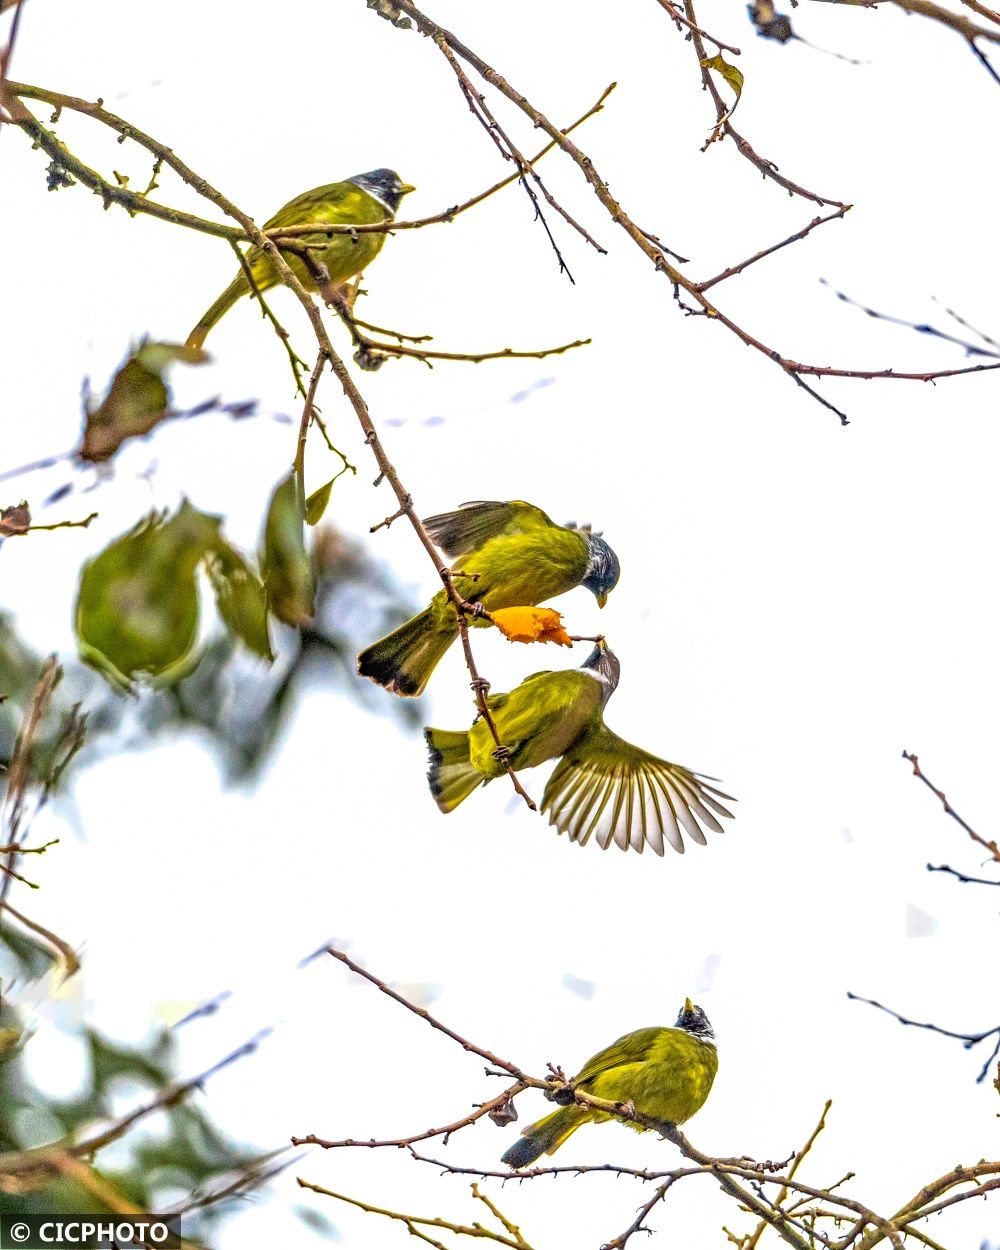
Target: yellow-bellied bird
[[603, 787], [333, 259], [665, 1074], [518, 557]]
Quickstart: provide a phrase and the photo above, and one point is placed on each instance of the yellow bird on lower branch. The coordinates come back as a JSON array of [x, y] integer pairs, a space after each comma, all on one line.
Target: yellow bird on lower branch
[[319, 261], [665, 1074]]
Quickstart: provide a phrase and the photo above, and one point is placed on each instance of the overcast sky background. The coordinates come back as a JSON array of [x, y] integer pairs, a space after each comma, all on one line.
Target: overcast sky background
[[799, 602]]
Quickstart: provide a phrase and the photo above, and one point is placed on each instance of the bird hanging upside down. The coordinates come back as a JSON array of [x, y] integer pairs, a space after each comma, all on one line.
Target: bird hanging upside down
[[603, 787]]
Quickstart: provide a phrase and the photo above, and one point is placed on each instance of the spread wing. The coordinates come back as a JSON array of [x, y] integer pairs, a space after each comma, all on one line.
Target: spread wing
[[473, 524], [607, 789]]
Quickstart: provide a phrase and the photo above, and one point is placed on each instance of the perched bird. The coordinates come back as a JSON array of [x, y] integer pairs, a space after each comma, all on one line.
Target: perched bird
[[363, 200], [603, 787], [507, 555], [665, 1074]]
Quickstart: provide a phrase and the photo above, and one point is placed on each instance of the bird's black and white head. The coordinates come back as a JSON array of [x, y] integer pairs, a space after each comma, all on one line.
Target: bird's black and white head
[[603, 569], [384, 185], [693, 1020], [603, 664]]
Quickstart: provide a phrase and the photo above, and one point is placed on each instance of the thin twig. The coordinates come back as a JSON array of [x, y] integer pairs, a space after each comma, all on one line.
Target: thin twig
[[990, 846], [18, 774], [992, 349], [509, 150], [412, 1223], [444, 1132], [769, 251], [424, 1014], [678, 17], [967, 1039], [755, 1236]]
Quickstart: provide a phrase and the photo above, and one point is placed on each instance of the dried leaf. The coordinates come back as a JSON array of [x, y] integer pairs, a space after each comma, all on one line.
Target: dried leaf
[[531, 625], [504, 1114], [15, 520], [730, 73], [137, 400]]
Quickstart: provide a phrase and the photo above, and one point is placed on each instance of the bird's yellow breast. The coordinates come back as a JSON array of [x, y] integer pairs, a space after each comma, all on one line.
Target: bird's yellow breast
[[669, 1082], [341, 255]]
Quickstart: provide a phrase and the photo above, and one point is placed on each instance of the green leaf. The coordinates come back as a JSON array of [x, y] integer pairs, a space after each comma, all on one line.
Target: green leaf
[[240, 598], [730, 73], [137, 609], [317, 501], [137, 400], [289, 579]]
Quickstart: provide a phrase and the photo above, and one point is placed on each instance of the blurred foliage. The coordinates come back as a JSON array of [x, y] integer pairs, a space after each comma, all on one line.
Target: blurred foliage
[[137, 611], [167, 1160], [286, 566], [128, 1136], [137, 399], [237, 700]]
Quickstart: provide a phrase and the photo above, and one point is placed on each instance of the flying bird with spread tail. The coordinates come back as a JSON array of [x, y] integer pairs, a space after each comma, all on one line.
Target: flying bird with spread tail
[[603, 787]]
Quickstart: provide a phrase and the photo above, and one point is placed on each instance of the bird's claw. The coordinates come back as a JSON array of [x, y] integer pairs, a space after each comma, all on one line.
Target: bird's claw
[[502, 754]]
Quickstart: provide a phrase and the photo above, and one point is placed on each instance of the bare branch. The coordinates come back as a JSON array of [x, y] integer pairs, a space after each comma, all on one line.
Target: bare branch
[[990, 846]]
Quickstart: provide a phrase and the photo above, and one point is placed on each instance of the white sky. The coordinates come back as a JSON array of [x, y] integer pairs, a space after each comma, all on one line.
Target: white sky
[[799, 602]]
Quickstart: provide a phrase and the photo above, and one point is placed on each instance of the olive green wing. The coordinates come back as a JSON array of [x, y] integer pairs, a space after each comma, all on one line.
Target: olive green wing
[[337, 203], [607, 789], [632, 1048], [473, 524]]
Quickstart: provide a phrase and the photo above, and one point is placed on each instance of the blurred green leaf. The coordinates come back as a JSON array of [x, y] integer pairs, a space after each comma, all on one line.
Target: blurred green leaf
[[137, 610], [240, 598], [317, 501], [10, 1042], [289, 578], [137, 400], [238, 704]]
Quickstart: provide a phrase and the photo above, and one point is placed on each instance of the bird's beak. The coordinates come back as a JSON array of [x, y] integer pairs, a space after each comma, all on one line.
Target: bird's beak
[[688, 1005], [601, 600], [406, 188]]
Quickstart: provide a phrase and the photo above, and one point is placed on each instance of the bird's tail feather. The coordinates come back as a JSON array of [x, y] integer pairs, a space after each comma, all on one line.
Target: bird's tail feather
[[237, 288], [404, 660], [545, 1136], [452, 778]]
